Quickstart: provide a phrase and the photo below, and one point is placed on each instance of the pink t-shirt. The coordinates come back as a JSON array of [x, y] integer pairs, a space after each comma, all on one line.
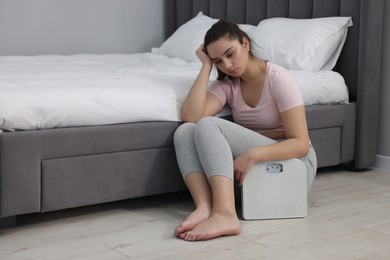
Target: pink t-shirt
[[280, 93]]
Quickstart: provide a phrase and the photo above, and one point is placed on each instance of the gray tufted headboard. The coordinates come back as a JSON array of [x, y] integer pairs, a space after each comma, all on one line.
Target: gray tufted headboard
[[359, 62]]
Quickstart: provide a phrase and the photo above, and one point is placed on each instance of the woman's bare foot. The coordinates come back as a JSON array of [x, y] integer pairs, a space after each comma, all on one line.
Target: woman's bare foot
[[192, 220], [215, 226]]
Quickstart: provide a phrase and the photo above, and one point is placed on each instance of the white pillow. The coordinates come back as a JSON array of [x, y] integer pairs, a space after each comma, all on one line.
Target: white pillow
[[247, 28], [301, 44], [186, 39], [323, 87]]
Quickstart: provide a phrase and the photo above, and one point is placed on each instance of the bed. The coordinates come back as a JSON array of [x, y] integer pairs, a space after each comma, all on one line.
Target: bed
[[72, 160]]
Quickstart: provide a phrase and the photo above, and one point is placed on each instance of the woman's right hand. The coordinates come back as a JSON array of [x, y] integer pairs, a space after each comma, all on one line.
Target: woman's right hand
[[202, 55]]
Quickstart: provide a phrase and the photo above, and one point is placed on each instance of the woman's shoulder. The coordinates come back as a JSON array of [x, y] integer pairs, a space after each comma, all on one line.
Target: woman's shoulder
[[275, 68], [276, 72]]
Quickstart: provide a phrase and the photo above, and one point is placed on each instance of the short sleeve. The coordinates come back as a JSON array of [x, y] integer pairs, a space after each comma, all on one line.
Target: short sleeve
[[286, 91], [221, 89]]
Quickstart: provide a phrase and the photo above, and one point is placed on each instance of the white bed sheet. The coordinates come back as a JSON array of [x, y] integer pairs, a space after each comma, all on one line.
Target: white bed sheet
[[41, 92]]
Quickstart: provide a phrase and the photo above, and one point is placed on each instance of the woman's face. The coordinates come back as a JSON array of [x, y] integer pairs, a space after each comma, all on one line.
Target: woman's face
[[230, 56]]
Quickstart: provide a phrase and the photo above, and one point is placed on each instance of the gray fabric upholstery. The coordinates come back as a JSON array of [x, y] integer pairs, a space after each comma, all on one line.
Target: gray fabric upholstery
[[368, 82], [332, 127], [329, 141], [72, 161], [66, 142], [85, 180], [20, 173]]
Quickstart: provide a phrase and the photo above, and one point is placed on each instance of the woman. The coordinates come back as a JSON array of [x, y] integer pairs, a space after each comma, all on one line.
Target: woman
[[269, 124]]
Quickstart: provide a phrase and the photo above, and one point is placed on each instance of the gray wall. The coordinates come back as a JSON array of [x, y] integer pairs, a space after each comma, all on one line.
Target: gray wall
[[383, 150], [31, 27]]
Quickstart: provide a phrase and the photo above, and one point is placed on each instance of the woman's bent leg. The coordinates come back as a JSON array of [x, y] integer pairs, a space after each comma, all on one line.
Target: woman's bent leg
[[186, 154], [194, 178], [223, 220], [199, 188], [217, 141]]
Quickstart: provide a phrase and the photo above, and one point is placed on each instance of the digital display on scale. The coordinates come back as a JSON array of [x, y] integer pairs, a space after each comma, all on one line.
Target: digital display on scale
[[273, 168]]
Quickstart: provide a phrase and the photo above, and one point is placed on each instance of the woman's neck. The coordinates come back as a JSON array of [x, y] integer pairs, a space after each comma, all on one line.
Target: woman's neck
[[254, 71]]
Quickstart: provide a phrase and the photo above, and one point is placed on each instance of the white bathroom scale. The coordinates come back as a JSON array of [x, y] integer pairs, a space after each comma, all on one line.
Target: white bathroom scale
[[275, 190]]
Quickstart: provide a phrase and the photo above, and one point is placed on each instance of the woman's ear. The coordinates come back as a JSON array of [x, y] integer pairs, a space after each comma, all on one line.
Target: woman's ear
[[246, 43]]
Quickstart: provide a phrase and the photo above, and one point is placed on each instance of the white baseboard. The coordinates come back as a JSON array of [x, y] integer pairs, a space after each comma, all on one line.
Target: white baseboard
[[382, 162]]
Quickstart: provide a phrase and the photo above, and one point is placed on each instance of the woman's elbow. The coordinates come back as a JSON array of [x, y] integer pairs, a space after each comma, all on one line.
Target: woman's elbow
[[304, 149]]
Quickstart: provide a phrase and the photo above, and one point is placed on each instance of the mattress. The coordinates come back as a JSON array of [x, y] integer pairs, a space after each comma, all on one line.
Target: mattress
[[51, 91]]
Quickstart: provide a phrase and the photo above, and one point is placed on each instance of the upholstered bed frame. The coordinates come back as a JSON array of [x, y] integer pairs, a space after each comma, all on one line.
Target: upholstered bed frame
[[54, 169]]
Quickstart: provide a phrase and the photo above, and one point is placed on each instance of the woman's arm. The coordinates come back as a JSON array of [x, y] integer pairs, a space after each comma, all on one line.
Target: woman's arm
[[296, 144], [199, 102]]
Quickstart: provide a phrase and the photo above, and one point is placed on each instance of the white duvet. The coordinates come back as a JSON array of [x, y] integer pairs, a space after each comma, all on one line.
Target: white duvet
[[42, 92]]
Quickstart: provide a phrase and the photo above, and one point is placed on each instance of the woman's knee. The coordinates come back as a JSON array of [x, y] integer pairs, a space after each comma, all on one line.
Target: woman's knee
[[187, 132], [207, 124], [184, 132], [208, 121]]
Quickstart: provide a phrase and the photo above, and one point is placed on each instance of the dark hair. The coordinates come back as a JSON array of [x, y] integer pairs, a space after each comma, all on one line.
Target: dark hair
[[223, 28]]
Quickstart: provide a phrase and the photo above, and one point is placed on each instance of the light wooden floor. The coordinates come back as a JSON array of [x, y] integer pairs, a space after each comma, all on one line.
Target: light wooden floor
[[349, 218]]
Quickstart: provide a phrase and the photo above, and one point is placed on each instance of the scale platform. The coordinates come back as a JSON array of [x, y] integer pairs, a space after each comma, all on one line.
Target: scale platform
[[275, 190]]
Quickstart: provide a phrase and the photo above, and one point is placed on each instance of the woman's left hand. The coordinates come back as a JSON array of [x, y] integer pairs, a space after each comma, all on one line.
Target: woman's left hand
[[242, 165]]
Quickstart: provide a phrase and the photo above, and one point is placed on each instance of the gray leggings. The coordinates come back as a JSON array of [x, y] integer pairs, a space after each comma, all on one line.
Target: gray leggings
[[211, 145]]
